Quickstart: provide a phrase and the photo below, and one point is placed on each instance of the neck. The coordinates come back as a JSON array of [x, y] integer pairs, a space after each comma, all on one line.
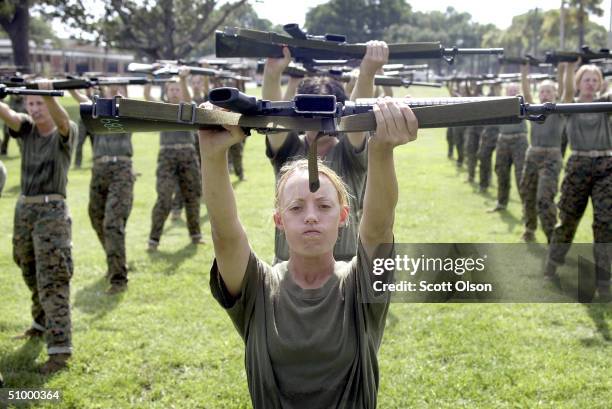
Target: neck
[[586, 98], [311, 272], [45, 128]]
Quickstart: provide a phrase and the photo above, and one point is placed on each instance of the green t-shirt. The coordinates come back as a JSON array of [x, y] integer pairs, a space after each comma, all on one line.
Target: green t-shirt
[[176, 137], [45, 161], [350, 164], [548, 134], [510, 129], [590, 131], [119, 144], [309, 348]]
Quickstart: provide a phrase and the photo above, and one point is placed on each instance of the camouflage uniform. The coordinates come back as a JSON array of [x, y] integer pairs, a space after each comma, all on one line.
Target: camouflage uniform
[[488, 142], [588, 172], [511, 147], [235, 157], [472, 142], [459, 142], [541, 175], [450, 142], [177, 163], [111, 193], [83, 134], [16, 103], [42, 231], [3, 176]]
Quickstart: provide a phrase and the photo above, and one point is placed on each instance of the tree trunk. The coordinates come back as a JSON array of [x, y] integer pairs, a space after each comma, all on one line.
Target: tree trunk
[[581, 23], [18, 29]]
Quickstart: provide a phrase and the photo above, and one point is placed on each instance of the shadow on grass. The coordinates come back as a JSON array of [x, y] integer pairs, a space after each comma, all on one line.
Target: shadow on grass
[[174, 259], [598, 313], [92, 299], [509, 219], [19, 367]]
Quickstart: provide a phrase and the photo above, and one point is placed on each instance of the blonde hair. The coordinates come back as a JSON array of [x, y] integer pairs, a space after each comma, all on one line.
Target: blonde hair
[[302, 164], [548, 83], [587, 68]]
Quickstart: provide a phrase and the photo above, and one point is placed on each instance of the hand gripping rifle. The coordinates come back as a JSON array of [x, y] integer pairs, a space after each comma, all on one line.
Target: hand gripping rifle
[[319, 113], [240, 42]]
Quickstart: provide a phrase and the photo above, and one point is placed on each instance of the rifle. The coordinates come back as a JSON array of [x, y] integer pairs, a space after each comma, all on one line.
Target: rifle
[[586, 56], [81, 83], [311, 113], [240, 42], [170, 69], [4, 91], [527, 59]]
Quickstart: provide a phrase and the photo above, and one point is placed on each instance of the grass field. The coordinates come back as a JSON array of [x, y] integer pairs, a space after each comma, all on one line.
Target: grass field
[[167, 344]]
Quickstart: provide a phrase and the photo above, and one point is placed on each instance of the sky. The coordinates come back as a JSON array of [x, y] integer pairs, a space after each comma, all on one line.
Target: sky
[[283, 11]]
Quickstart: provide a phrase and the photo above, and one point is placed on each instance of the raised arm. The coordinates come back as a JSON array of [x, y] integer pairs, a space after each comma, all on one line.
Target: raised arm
[[58, 113], [561, 68], [568, 80], [377, 55], [79, 97], [147, 90], [229, 238], [292, 87], [395, 125], [525, 86], [11, 118], [186, 95], [271, 90]]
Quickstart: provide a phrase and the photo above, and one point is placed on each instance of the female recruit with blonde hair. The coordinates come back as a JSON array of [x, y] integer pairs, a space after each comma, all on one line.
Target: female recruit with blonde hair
[[588, 173], [312, 326]]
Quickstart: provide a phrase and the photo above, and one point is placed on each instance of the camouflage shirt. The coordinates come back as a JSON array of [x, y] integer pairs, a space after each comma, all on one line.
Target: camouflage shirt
[[44, 160]]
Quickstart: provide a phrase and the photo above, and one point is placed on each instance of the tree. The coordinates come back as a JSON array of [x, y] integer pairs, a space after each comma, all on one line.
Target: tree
[[165, 29], [15, 20], [582, 7], [358, 20]]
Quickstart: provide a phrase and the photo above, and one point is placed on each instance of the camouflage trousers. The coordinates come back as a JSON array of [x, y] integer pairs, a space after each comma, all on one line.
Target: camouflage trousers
[[177, 167], [488, 142], [459, 142], [510, 150], [111, 193], [3, 177], [235, 158], [42, 249], [584, 177], [83, 134], [472, 142], [5, 140], [539, 186], [178, 202], [450, 142]]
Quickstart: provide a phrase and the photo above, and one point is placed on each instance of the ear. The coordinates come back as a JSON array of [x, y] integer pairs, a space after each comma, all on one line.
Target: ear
[[344, 214], [278, 221]]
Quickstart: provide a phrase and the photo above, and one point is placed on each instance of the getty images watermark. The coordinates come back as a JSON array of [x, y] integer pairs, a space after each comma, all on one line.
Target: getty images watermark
[[474, 272]]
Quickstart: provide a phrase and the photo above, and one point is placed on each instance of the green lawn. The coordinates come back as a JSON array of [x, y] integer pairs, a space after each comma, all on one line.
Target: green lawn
[[167, 344]]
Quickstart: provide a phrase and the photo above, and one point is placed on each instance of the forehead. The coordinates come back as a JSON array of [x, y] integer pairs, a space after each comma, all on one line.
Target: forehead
[[589, 75], [170, 85], [33, 99], [297, 188]]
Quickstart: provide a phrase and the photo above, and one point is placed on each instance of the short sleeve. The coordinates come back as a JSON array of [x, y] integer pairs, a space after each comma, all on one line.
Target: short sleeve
[[367, 273], [289, 149], [240, 308], [67, 141], [25, 128]]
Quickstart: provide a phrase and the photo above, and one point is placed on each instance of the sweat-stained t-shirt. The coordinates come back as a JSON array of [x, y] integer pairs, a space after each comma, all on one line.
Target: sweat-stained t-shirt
[[118, 144], [350, 164], [310, 348], [45, 161], [590, 131]]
